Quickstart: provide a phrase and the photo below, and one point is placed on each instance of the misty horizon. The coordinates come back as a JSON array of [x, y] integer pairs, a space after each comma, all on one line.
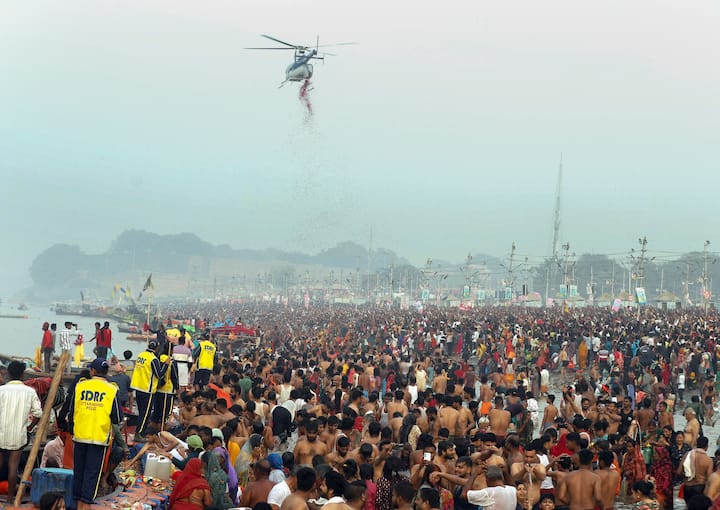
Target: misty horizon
[[441, 130]]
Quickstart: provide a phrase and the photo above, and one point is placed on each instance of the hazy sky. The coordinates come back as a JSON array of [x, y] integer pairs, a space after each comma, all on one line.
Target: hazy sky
[[442, 129]]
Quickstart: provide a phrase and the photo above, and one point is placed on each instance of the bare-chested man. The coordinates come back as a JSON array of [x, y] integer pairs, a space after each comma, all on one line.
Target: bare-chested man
[[447, 415], [487, 393], [530, 471], [465, 420], [340, 455], [609, 479], [608, 411], [396, 424], [712, 487], [439, 384], [645, 416], [305, 450], [549, 414], [364, 381], [330, 435], [208, 417], [499, 419], [301, 486], [429, 424], [511, 451], [445, 458], [692, 428], [258, 490], [398, 405], [581, 489], [702, 468], [664, 417], [588, 410]]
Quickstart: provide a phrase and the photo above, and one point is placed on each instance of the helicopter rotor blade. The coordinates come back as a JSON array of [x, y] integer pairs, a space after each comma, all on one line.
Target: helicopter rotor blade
[[337, 44], [268, 48], [279, 41]]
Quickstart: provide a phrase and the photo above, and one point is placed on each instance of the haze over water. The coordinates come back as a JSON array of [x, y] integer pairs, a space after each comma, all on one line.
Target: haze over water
[[442, 129]]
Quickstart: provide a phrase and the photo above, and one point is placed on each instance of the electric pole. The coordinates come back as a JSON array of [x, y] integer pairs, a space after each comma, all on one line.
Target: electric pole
[[639, 262], [565, 265], [468, 268], [640, 275], [510, 280]]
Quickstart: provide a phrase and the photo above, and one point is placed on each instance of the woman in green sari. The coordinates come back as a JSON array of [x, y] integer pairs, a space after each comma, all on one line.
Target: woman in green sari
[[249, 453], [217, 478]]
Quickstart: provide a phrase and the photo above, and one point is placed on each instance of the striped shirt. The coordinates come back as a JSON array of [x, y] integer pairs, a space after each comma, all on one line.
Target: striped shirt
[[64, 338], [17, 402]]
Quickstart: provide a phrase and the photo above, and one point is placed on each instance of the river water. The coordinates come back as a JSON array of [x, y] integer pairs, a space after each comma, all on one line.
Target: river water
[[20, 337]]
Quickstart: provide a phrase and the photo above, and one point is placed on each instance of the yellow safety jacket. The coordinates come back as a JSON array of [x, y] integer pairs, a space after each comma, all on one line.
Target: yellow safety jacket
[[206, 358], [143, 378], [93, 407], [165, 385]]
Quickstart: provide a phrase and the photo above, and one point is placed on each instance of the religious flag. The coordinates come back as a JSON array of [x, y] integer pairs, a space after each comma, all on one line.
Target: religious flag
[[82, 296], [148, 283]]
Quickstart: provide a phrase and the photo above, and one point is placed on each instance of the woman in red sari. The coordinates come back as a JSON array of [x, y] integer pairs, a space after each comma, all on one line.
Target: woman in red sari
[[192, 491], [662, 472]]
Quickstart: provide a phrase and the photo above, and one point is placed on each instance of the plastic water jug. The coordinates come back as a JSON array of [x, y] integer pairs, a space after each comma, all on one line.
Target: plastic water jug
[[151, 465], [163, 468]]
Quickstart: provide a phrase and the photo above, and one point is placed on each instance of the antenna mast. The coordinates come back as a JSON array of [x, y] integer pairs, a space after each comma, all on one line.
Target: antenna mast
[[554, 261]]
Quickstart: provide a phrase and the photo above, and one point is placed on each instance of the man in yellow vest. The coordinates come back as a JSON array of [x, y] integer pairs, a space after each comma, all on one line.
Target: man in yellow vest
[[147, 373], [166, 391], [204, 353], [93, 411]]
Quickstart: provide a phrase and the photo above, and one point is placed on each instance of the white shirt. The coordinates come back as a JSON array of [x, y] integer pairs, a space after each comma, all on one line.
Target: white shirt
[[681, 381], [277, 476], [503, 497], [547, 483], [17, 402], [544, 377], [284, 394], [290, 406], [413, 391], [278, 493]]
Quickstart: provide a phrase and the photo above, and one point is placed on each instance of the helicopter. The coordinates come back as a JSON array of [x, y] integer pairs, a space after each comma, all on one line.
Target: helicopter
[[301, 69]]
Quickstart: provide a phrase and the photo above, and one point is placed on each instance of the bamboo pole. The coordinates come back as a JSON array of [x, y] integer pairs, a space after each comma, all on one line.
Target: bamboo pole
[[42, 426]]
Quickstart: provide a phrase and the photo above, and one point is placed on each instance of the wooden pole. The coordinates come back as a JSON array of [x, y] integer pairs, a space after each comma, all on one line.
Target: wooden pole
[[42, 426], [147, 340]]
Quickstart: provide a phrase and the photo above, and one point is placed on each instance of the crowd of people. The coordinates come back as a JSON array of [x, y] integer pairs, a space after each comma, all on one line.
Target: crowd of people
[[383, 408]]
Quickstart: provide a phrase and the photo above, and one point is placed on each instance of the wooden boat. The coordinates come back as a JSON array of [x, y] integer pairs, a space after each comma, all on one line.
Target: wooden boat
[[124, 327], [139, 337]]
